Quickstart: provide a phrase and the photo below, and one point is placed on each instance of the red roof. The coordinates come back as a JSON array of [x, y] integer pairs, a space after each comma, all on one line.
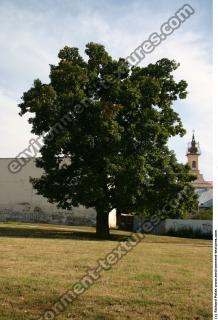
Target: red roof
[[210, 182]]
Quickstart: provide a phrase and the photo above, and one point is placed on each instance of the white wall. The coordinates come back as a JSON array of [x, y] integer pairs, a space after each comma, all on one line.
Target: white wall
[[112, 219], [204, 225], [19, 201]]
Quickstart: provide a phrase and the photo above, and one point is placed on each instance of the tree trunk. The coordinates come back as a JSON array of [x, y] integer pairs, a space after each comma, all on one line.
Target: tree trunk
[[102, 225]]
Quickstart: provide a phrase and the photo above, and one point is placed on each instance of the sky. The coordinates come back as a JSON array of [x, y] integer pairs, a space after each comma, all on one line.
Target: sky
[[33, 32]]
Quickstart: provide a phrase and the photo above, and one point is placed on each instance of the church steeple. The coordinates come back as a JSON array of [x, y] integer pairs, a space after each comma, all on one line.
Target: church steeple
[[193, 153], [193, 147]]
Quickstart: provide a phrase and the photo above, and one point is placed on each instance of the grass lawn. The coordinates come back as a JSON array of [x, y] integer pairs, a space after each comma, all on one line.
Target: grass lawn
[[163, 278]]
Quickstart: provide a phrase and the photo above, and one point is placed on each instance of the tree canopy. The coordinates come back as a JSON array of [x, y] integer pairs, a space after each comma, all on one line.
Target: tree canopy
[[111, 151]]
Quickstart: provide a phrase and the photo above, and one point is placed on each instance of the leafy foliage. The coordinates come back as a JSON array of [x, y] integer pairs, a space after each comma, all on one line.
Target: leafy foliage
[[203, 214], [116, 144]]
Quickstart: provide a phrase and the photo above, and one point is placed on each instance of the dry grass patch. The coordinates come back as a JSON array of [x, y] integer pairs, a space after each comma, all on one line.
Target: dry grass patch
[[163, 278]]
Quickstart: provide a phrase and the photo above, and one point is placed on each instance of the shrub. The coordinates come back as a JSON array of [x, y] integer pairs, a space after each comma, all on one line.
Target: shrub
[[189, 232]]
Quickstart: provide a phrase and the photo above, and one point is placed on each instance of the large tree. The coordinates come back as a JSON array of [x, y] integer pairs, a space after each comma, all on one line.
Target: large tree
[[106, 126]]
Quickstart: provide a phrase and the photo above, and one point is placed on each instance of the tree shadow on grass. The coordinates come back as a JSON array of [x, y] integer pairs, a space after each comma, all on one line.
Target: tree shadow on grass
[[54, 233]]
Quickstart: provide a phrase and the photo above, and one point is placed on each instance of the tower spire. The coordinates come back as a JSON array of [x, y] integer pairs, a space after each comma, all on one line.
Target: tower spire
[[193, 143], [193, 147]]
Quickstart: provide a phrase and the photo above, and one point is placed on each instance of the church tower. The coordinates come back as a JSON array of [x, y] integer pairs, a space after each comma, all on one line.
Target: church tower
[[193, 154]]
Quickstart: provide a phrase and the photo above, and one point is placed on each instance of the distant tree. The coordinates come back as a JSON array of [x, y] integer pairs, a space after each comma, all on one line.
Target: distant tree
[[202, 214], [116, 140]]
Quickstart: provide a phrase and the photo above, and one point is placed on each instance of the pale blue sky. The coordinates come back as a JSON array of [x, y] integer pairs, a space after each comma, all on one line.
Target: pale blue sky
[[32, 32]]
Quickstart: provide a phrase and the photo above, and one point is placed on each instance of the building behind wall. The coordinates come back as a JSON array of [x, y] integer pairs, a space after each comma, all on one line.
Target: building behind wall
[[203, 188], [193, 154]]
